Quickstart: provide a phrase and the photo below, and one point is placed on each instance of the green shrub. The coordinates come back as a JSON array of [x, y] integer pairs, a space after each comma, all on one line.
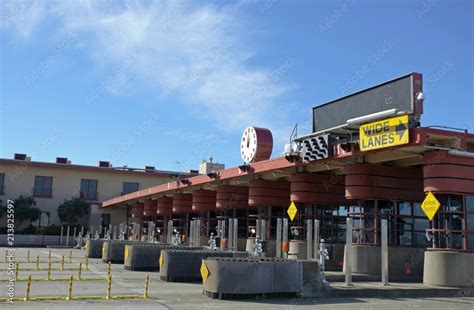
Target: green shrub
[[70, 211], [30, 230]]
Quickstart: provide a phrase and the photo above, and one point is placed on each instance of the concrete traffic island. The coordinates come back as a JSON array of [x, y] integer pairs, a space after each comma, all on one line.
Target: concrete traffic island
[[184, 266], [94, 248], [235, 278], [145, 257], [446, 268], [113, 250], [401, 261]]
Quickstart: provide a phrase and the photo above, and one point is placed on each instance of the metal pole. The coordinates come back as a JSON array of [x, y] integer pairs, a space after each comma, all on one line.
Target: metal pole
[[67, 236], [230, 240], [28, 286], [263, 230], [74, 234], [278, 238], [316, 239], [169, 232], [79, 271], [219, 224], [348, 252], [257, 230], [69, 291], [145, 292], [61, 237], [223, 234], [198, 233], [236, 233], [109, 287], [285, 236], [191, 234], [384, 253], [309, 239]]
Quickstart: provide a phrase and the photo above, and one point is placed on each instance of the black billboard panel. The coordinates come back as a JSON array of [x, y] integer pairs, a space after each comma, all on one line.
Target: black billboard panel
[[397, 94]]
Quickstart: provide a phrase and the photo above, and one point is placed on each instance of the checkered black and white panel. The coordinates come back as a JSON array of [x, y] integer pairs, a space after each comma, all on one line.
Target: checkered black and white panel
[[315, 148]]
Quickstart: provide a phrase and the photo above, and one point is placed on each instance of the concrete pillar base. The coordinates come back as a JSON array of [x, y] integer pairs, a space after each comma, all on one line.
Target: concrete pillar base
[[449, 269], [401, 260], [297, 249]]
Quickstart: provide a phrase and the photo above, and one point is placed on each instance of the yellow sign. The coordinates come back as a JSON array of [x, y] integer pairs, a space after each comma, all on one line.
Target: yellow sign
[[161, 260], [430, 205], [204, 272], [292, 210], [126, 252], [385, 133]]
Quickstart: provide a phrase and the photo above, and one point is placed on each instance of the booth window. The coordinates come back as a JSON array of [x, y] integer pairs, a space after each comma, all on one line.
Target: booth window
[[470, 221], [406, 223], [453, 225]]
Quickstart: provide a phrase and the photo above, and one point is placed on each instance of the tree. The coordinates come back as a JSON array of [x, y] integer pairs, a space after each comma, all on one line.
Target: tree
[[25, 209], [70, 211]]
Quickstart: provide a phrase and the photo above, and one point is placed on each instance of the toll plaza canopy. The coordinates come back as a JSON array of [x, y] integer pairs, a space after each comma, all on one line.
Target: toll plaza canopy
[[422, 141]]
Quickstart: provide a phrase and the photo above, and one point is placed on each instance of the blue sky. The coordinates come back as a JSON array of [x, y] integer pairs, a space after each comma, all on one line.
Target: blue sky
[[171, 83]]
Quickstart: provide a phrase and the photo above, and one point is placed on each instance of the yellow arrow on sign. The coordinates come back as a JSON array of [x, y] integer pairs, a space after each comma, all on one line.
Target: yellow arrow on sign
[[292, 210], [430, 205]]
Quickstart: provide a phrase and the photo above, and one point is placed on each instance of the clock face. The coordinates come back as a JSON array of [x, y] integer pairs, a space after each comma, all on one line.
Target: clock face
[[248, 145]]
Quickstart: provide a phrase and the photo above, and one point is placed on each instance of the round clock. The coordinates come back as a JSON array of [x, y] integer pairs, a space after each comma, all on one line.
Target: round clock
[[256, 144]]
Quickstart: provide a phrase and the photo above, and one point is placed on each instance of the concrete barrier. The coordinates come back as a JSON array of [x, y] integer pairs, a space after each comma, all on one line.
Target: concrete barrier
[[94, 248], [227, 278], [113, 250], [449, 269], [297, 249], [145, 257], [402, 261], [184, 266]]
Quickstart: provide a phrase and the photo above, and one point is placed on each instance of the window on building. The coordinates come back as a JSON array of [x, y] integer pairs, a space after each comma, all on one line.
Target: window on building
[[129, 187], [2, 182], [470, 221], [449, 220], [43, 186], [89, 189], [410, 225]]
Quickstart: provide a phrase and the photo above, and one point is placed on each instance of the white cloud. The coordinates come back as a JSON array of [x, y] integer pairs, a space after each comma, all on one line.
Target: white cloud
[[180, 47], [22, 16]]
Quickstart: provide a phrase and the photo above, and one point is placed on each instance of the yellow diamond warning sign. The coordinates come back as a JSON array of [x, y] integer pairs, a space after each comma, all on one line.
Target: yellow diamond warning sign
[[385, 133], [430, 205], [126, 252], [204, 272], [292, 210]]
